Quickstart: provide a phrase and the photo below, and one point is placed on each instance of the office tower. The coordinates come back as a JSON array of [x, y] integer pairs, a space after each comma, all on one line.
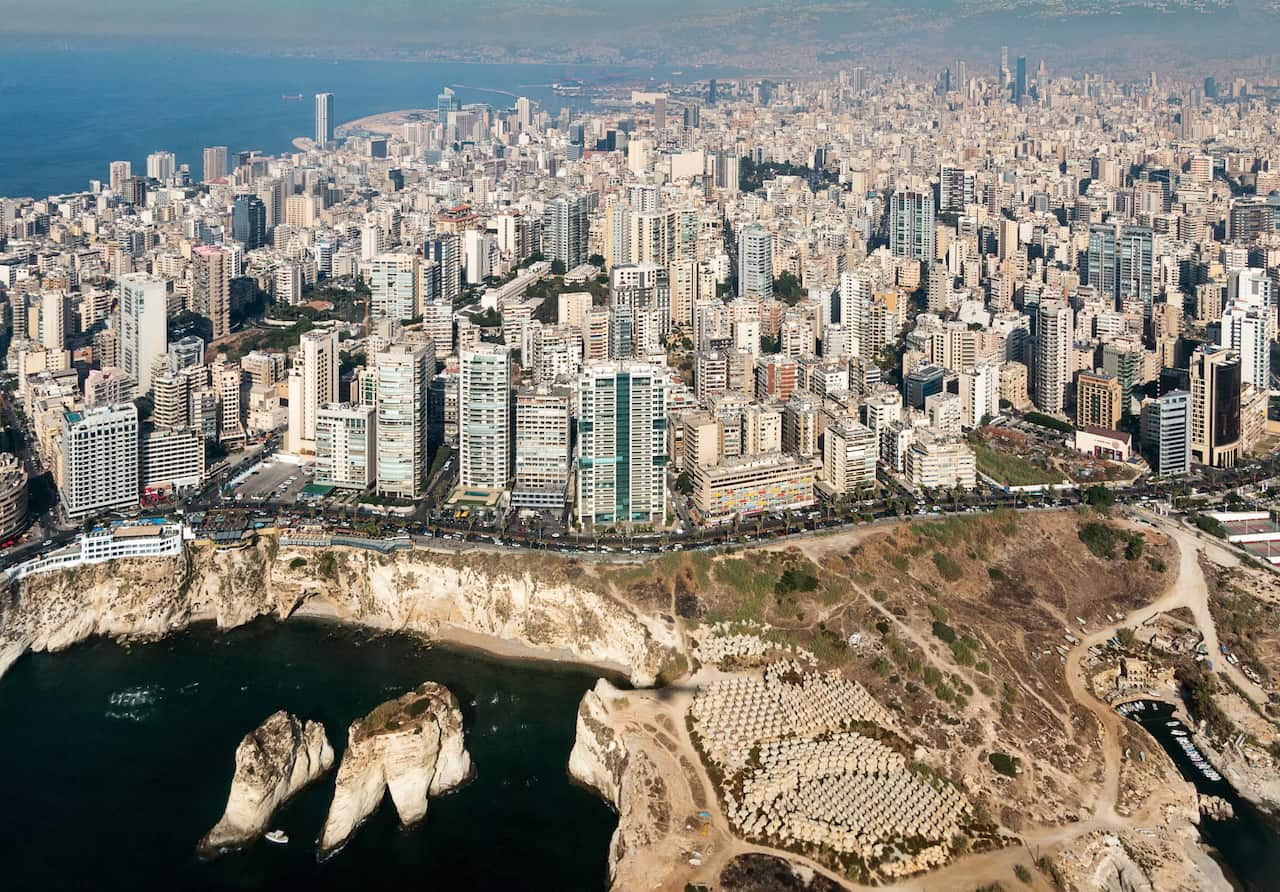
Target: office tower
[[956, 189], [211, 288], [313, 382], [249, 221], [345, 442], [622, 444], [1101, 261], [393, 286], [542, 456], [162, 166], [446, 102], [1166, 433], [1210, 88], [1134, 270], [660, 113], [565, 229], [911, 225], [849, 453], [484, 417], [403, 376], [1215, 407], [1004, 66], [117, 173], [215, 163], [1020, 80], [1100, 400], [98, 460], [923, 382], [1054, 330], [524, 112], [324, 119], [144, 334], [711, 92], [755, 262]]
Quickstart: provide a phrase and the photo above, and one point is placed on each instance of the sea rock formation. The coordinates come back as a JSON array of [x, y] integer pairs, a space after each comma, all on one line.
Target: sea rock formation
[[624, 776], [273, 762], [539, 602], [412, 746]]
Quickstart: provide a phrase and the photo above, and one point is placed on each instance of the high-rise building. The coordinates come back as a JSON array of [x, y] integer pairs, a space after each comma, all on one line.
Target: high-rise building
[[622, 444], [1247, 330], [542, 456], [324, 119], [849, 452], [215, 163], [313, 382], [211, 288], [346, 436], [956, 189], [1020, 79], [446, 250], [1054, 330], [446, 102], [249, 221], [1166, 433], [117, 173], [1135, 280], [162, 166], [1215, 407], [393, 285], [98, 460], [1100, 261], [484, 417], [401, 428], [144, 335], [1099, 400], [565, 230], [911, 225], [755, 262]]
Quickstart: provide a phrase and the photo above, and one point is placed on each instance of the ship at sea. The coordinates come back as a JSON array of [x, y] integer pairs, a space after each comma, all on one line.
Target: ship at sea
[[294, 98]]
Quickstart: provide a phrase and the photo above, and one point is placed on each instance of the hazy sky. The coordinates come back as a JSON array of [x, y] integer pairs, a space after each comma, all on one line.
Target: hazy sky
[[675, 31]]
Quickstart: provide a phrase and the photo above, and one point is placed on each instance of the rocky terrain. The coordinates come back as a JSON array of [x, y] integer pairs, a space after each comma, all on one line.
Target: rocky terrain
[[273, 762], [411, 746], [548, 606]]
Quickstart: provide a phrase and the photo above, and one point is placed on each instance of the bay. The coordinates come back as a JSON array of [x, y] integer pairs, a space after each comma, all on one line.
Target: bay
[[115, 761]]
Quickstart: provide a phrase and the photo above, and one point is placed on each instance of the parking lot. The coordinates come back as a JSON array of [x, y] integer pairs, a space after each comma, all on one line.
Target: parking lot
[[275, 481]]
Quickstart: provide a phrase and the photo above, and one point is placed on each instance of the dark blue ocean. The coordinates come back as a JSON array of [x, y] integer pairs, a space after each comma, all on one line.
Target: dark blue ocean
[[67, 111]]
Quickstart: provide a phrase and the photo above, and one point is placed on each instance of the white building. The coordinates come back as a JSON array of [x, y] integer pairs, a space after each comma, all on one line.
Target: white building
[[171, 459], [849, 453], [144, 333], [622, 444], [401, 426], [542, 458], [484, 417], [98, 460], [346, 436], [1054, 335], [313, 382]]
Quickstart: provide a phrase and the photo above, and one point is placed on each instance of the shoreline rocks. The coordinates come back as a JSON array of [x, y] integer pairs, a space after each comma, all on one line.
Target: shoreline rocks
[[273, 762], [412, 746]]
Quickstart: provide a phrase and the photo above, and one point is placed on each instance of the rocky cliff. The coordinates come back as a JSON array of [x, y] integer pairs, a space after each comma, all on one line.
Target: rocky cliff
[[538, 602], [412, 746], [624, 776], [273, 762]]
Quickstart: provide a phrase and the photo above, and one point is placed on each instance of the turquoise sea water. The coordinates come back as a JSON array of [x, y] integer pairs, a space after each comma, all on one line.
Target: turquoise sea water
[[116, 761]]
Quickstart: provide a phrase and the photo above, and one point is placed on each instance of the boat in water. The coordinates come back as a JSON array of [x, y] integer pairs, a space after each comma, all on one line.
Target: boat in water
[[278, 837]]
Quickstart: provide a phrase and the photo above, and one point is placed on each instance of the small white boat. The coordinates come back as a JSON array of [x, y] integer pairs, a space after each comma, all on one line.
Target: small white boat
[[279, 837]]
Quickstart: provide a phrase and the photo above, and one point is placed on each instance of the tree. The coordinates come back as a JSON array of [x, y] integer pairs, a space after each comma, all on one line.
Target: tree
[[596, 260], [684, 484], [787, 288], [1100, 497], [557, 267]]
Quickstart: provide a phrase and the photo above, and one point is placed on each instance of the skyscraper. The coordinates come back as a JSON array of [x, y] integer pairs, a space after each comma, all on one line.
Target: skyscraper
[[144, 336], [162, 166], [1053, 355], [117, 173], [1215, 407], [541, 448], [484, 417], [313, 382], [1101, 260], [345, 441], [911, 225], [249, 221], [215, 163], [1020, 80], [1166, 433], [211, 288], [755, 262], [324, 119], [401, 437], [622, 444], [565, 230], [1134, 267]]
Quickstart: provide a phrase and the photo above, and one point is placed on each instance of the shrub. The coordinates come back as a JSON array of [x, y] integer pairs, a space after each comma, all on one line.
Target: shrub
[[1004, 764], [1099, 497], [1023, 873], [1209, 525], [996, 574], [795, 580], [1100, 539], [944, 631], [1133, 550], [297, 563], [948, 569]]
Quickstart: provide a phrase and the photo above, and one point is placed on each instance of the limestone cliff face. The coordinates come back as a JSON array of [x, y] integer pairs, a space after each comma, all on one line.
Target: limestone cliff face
[[273, 762], [500, 595], [412, 746], [625, 777]]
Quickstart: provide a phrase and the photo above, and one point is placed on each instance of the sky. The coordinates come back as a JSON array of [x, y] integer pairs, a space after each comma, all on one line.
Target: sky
[[662, 31]]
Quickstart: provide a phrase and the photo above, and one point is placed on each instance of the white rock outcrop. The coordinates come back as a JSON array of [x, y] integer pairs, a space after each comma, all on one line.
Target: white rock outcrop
[[273, 762], [412, 746]]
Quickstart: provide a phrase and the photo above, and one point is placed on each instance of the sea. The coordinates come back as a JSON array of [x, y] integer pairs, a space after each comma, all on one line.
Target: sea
[[115, 760], [69, 110]]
